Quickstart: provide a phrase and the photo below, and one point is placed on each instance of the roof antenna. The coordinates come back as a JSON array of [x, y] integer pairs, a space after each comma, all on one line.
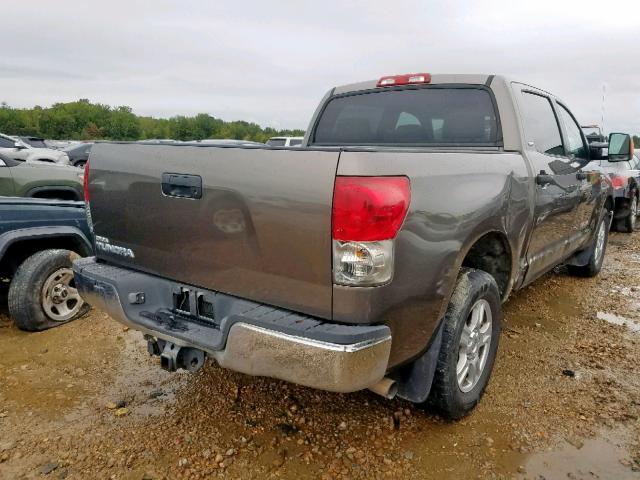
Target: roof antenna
[[604, 97]]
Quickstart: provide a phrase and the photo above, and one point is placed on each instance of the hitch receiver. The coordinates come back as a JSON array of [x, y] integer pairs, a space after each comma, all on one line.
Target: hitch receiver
[[173, 357]]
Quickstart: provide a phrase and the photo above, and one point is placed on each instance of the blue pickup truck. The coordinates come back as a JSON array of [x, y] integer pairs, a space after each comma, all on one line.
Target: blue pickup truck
[[39, 239]]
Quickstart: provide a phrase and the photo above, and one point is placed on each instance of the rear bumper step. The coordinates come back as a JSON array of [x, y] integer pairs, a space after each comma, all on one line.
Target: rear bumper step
[[241, 335]]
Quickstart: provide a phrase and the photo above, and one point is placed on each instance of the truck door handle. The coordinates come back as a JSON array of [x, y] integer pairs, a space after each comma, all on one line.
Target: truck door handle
[[581, 176], [544, 179], [181, 185]]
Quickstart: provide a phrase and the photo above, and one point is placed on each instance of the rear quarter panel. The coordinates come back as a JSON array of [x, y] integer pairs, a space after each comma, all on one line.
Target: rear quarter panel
[[455, 199]]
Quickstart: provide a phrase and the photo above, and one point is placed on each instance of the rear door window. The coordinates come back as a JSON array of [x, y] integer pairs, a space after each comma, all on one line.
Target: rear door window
[[540, 124], [412, 116]]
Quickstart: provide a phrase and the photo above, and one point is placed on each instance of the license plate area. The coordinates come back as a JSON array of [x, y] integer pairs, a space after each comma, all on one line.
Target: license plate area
[[195, 304]]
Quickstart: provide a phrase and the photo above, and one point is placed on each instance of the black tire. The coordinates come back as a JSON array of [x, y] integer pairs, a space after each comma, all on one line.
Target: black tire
[[594, 265], [26, 295], [630, 222], [447, 396]]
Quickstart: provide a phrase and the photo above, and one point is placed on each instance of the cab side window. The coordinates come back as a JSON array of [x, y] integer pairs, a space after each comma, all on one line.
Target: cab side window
[[575, 143], [541, 126]]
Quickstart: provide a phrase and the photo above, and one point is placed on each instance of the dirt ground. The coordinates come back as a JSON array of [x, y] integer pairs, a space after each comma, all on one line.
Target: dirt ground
[[85, 401]]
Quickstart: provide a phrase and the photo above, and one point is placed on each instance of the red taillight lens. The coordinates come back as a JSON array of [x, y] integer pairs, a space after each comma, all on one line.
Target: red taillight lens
[[408, 79], [85, 182], [618, 182], [369, 209]]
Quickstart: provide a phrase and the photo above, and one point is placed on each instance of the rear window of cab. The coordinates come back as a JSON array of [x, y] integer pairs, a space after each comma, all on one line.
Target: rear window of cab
[[442, 116]]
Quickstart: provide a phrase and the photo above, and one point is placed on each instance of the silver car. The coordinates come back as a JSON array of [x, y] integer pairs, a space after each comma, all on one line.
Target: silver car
[[15, 148]]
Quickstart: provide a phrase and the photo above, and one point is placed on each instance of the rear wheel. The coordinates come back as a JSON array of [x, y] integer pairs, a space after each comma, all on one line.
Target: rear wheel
[[470, 337], [42, 293], [598, 249]]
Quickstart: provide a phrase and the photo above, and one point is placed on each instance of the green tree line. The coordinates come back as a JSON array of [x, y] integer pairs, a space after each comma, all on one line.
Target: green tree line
[[83, 120]]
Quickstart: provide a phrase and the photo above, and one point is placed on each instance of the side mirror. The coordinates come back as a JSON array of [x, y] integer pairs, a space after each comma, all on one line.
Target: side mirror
[[19, 146], [620, 147]]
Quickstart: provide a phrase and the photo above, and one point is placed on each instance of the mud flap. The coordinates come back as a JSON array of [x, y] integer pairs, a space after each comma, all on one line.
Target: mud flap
[[414, 380]]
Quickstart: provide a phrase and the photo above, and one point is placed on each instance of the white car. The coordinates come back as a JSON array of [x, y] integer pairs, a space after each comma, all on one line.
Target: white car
[[285, 141], [17, 149]]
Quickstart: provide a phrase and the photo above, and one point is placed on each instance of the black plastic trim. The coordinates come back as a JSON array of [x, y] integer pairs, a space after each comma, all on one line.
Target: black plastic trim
[[109, 286]]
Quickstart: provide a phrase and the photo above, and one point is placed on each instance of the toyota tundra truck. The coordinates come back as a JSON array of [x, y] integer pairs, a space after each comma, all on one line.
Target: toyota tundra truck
[[376, 256]]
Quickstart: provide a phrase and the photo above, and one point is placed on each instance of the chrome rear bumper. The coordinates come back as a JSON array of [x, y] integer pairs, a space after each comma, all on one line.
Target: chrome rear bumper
[[260, 341]]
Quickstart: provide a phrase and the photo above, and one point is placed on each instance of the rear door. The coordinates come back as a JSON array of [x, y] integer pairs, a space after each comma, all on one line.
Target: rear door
[[251, 222], [557, 192]]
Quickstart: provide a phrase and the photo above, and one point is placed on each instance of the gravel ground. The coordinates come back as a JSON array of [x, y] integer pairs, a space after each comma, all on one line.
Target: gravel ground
[[85, 401]]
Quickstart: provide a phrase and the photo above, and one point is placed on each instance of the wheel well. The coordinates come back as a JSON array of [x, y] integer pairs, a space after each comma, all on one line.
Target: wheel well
[[491, 253], [20, 250], [56, 194]]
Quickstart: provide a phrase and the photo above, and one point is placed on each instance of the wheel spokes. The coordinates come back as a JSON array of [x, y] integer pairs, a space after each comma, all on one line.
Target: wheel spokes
[[474, 345], [462, 369]]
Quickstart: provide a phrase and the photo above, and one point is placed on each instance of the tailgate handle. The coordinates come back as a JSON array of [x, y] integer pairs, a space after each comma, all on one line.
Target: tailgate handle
[[181, 185]]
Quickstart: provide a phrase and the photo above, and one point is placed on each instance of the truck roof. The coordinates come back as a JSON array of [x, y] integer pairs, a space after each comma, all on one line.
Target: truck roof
[[437, 78]]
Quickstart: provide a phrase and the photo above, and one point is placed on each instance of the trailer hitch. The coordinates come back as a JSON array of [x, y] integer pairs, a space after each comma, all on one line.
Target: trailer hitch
[[174, 357]]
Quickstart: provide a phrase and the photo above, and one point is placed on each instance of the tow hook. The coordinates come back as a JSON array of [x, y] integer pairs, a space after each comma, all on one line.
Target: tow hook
[[173, 357]]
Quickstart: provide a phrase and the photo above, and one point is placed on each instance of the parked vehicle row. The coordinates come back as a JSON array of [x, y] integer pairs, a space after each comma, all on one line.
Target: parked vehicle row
[[376, 255], [17, 149], [32, 149]]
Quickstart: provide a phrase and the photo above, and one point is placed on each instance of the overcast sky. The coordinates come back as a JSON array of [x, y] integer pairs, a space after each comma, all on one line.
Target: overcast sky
[[271, 62]]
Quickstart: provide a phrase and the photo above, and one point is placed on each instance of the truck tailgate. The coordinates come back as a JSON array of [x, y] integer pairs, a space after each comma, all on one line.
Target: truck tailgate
[[259, 228]]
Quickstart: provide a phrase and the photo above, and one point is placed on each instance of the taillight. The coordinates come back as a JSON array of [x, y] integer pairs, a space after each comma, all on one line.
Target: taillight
[[618, 181], [85, 182], [367, 215], [407, 79], [369, 208]]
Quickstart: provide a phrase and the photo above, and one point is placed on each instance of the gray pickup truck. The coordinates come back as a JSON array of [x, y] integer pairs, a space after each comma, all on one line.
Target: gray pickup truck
[[375, 256]]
